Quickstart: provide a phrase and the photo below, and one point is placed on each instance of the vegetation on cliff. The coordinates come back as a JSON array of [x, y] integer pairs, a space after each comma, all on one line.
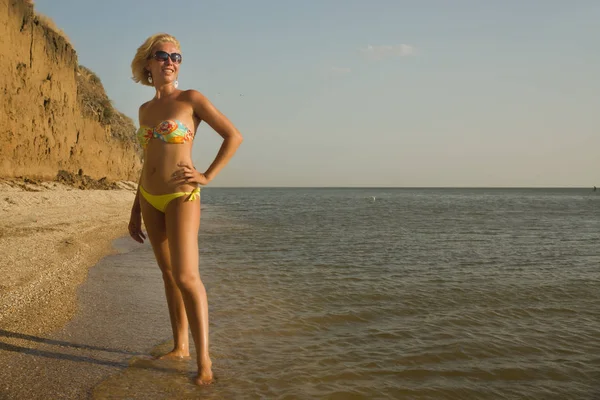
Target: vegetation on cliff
[[56, 114], [95, 104], [91, 94]]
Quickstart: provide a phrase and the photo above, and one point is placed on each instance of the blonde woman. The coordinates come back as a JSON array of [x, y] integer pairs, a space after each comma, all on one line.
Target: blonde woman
[[168, 196]]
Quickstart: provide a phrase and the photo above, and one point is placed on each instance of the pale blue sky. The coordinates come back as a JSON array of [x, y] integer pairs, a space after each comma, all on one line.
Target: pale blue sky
[[371, 93]]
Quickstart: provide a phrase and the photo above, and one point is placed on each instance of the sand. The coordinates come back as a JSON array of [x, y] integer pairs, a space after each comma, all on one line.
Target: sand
[[121, 320], [65, 326], [79, 300], [50, 235]]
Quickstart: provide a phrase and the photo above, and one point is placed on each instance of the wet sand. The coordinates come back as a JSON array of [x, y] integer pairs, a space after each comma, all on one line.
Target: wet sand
[[50, 235], [121, 315]]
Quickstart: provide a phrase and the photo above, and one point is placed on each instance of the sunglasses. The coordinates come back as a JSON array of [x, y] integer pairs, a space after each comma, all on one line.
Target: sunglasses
[[164, 56]]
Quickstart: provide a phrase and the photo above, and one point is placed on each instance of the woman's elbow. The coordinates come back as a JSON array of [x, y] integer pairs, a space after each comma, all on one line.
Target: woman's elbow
[[238, 138]]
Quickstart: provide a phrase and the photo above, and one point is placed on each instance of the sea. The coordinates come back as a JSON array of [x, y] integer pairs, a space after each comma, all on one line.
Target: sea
[[384, 293]]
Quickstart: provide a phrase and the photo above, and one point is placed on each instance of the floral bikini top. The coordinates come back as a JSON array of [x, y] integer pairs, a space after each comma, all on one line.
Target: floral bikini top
[[169, 131]]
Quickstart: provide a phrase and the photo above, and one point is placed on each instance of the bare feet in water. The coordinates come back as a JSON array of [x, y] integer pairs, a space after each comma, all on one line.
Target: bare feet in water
[[205, 375], [176, 354]]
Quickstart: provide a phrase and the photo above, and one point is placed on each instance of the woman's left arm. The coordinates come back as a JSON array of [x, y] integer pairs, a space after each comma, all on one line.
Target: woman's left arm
[[206, 111]]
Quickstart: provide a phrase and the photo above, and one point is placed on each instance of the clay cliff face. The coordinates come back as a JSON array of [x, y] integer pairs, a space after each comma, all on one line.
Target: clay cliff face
[[54, 114]]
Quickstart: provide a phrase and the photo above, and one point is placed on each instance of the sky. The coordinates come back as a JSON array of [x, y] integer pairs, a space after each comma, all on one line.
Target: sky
[[378, 93]]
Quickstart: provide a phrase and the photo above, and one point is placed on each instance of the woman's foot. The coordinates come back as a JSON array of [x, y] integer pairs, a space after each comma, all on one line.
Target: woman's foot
[[205, 375], [176, 354]]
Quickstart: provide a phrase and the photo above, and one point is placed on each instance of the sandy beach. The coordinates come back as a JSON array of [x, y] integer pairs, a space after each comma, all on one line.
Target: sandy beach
[[50, 235], [65, 326]]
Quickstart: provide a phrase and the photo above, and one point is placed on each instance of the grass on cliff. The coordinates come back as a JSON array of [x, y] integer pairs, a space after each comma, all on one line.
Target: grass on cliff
[[92, 98], [95, 104], [48, 22]]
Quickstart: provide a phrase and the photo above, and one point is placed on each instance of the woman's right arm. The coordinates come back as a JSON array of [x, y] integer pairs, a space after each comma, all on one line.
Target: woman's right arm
[[135, 219], [136, 202]]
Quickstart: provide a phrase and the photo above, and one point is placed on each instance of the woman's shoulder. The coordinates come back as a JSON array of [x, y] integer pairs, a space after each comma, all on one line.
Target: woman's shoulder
[[143, 110], [195, 98], [191, 94], [145, 105]]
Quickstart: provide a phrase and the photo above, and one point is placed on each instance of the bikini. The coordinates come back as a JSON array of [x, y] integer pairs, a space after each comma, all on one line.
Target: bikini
[[169, 131]]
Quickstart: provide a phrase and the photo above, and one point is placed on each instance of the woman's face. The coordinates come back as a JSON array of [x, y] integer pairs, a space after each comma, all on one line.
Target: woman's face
[[162, 68]]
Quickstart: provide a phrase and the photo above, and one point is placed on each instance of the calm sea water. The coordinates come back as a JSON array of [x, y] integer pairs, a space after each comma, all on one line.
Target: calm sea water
[[393, 294]]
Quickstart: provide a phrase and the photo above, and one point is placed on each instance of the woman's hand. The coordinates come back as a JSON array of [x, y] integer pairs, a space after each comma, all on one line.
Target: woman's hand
[[188, 174], [135, 227]]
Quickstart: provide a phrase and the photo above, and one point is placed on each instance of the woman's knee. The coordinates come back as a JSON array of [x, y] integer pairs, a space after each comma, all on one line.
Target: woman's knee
[[188, 281], [167, 275], [164, 265]]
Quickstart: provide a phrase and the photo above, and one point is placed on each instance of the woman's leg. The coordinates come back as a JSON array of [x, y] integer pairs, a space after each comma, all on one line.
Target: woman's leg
[[183, 223], [157, 234]]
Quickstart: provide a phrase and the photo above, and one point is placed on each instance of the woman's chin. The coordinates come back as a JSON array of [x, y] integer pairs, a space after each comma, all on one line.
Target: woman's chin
[[165, 82]]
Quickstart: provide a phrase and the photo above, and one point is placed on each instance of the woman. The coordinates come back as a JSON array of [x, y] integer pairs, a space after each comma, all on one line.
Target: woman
[[168, 192]]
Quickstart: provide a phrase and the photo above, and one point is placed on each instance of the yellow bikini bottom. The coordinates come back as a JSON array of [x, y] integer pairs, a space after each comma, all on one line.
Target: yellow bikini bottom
[[160, 201]]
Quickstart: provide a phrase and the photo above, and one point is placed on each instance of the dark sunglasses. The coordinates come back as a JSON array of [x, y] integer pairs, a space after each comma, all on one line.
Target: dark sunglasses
[[164, 56]]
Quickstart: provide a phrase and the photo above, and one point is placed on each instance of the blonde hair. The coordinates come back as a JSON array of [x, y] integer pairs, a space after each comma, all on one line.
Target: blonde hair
[[138, 65]]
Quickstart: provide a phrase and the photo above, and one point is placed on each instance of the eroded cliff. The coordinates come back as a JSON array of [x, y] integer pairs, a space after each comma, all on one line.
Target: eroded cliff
[[54, 114]]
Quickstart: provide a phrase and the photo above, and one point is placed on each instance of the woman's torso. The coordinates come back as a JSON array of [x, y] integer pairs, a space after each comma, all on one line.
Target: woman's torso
[[160, 157]]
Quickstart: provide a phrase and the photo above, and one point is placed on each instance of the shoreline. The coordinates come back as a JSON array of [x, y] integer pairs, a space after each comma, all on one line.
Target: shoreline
[[51, 234], [121, 320], [80, 301]]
